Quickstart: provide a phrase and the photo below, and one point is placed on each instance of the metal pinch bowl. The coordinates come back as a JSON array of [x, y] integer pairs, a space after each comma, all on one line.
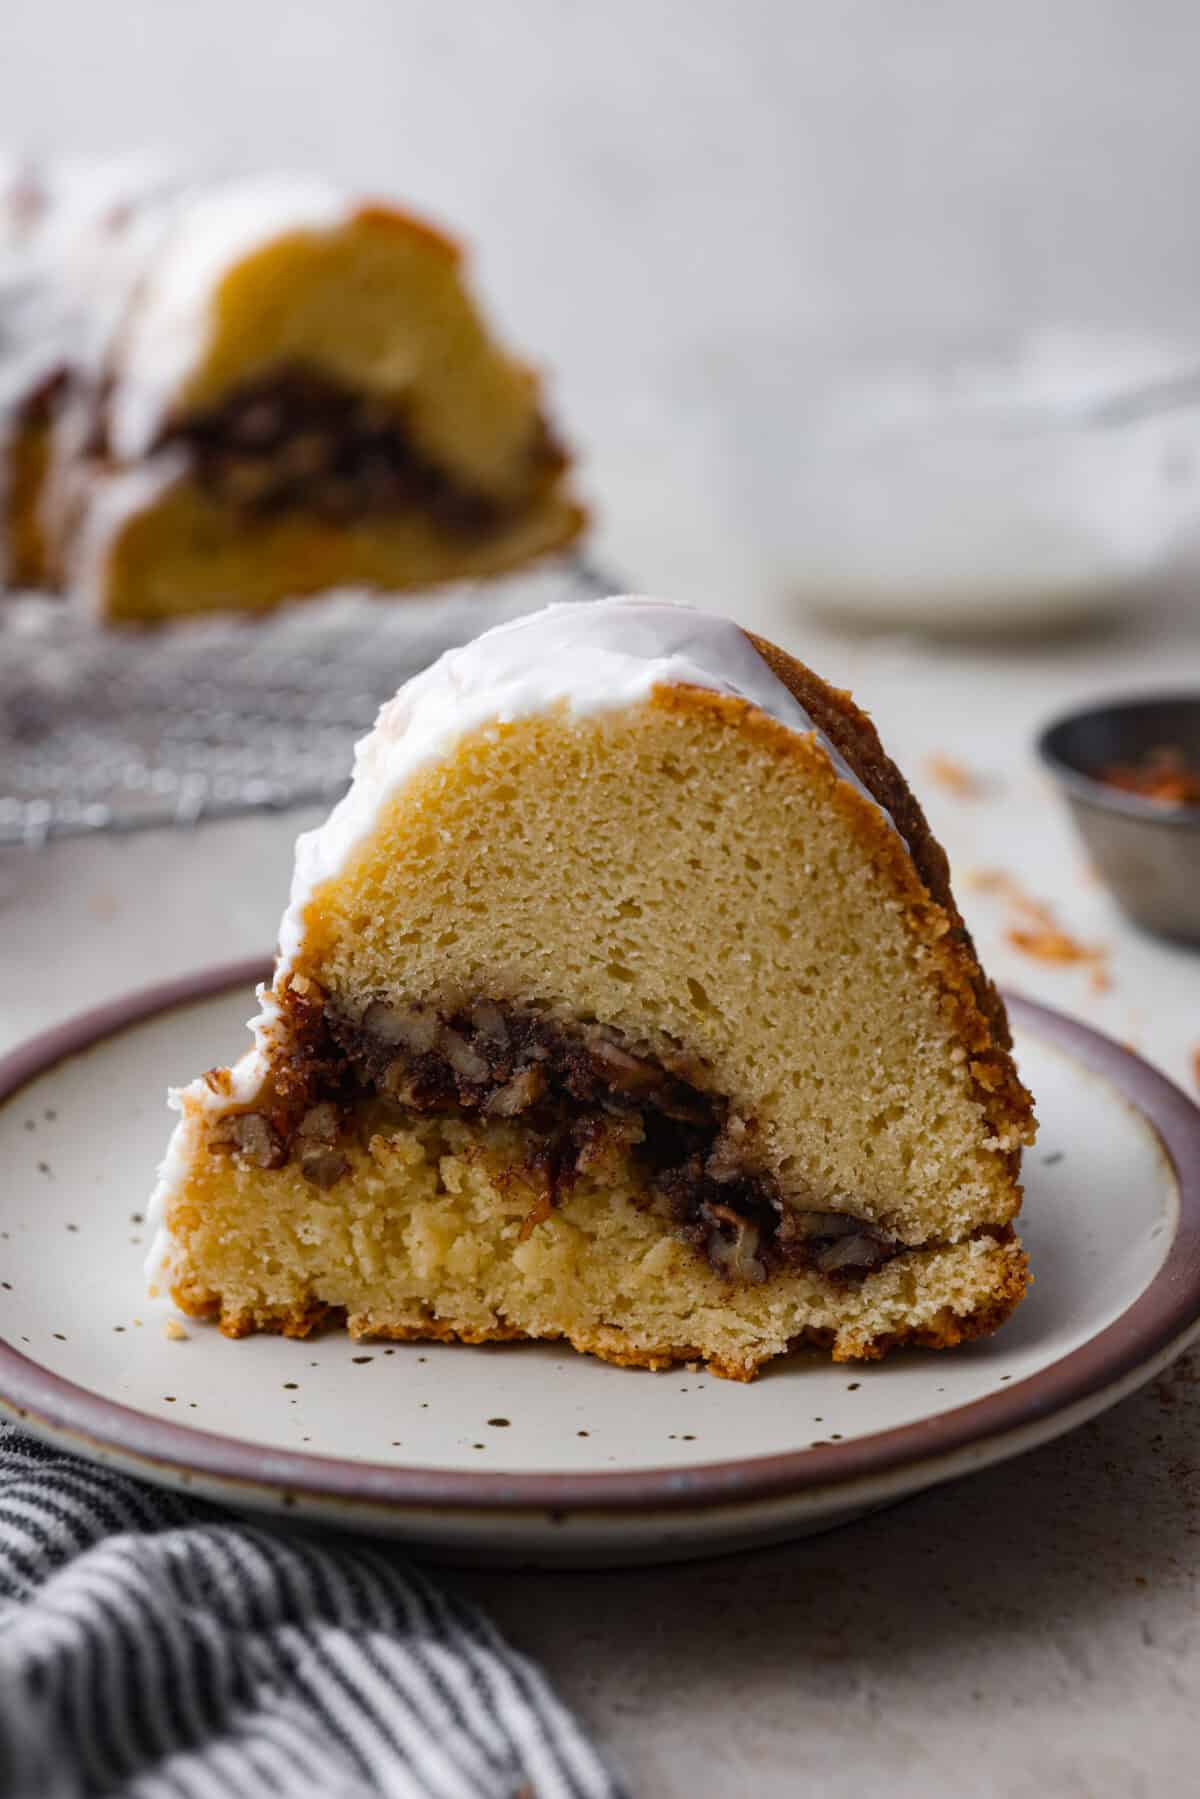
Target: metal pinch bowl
[[1147, 853]]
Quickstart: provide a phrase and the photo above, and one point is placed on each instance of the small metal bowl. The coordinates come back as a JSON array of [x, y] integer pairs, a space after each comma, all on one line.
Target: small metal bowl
[[1147, 853]]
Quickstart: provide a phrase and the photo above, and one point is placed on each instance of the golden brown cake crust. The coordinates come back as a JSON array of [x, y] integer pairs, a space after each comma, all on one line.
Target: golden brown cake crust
[[946, 1331], [1007, 1104], [384, 214]]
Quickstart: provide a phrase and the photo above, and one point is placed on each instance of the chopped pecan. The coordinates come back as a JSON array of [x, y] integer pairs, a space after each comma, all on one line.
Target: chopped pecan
[[252, 1136], [323, 1166], [517, 1095], [416, 1027]]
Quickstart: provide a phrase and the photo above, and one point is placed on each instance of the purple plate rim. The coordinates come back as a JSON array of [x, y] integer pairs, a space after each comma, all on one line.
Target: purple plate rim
[[1159, 1318]]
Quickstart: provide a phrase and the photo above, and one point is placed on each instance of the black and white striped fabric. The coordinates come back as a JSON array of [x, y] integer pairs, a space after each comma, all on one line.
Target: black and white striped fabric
[[154, 1648]]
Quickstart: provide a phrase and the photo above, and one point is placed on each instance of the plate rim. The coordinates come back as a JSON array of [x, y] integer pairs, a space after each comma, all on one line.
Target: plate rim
[[1142, 1337]]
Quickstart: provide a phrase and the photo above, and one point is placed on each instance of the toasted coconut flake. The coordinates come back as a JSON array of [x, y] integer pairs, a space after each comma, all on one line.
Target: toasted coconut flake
[[1049, 943], [956, 778], [1164, 776]]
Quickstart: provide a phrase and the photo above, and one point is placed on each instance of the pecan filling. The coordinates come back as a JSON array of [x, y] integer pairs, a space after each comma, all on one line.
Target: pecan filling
[[295, 440], [584, 1097]]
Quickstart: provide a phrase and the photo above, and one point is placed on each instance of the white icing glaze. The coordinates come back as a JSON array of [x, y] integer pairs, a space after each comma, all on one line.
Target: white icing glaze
[[76, 237], [170, 327], [596, 657], [199, 1102], [592, 658]]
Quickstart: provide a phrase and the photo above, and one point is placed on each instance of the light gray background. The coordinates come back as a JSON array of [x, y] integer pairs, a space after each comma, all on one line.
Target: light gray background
[[664, 192], [667, 198]]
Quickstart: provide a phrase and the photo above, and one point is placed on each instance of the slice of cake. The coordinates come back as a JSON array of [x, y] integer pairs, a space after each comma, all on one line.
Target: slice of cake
[[76, 235], [624, 1000], [271, 387]]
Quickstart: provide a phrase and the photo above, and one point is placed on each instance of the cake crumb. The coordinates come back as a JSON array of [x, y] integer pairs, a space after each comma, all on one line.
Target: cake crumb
[[1007, 887], [955, 777], [1050, 943], [174, 1331], [1035, 931]]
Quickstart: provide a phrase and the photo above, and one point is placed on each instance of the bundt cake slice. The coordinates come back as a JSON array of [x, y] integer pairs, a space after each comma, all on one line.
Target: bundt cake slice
[[261, 388], [624, 1000]]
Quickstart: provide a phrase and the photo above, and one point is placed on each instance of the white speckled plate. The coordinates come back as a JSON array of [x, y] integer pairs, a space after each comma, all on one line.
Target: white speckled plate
[[523, 1452]]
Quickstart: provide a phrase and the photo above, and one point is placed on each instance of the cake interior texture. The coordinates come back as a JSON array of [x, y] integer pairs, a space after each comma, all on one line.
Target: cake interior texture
[[190, 552], [643, 1030]]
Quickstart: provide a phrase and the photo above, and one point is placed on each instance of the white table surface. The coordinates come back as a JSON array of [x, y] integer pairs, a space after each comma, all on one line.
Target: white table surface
[[661, 194]]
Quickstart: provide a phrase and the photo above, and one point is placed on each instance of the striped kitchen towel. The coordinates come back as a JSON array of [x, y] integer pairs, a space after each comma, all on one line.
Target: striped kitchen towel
[[156, 1648]]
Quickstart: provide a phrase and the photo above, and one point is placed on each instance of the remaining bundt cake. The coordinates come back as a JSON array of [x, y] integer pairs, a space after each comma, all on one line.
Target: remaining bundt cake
[[241, 392], [623, 999]]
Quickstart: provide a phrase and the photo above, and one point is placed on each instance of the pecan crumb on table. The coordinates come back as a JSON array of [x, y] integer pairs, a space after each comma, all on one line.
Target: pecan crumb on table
[[1049, 943], [1007, 887], [1036, 931], [956, 777]]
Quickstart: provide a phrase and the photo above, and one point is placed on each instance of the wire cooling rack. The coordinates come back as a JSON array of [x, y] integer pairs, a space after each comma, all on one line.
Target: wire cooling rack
[[117, 730]]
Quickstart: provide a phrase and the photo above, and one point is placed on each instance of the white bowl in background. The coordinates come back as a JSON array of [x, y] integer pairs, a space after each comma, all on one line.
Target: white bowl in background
[[1008, 486]]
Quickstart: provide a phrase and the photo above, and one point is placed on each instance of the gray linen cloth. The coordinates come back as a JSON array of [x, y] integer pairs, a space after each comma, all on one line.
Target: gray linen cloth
[[152, 1647]]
